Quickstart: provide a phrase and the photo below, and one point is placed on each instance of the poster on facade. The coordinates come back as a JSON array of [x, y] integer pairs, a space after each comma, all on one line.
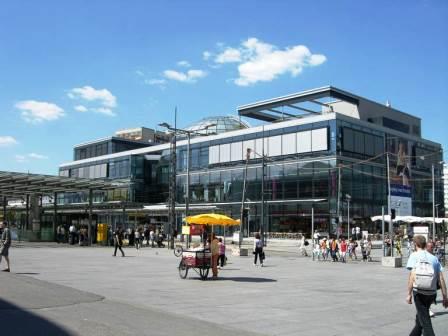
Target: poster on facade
[[401, 199], [400, 176]]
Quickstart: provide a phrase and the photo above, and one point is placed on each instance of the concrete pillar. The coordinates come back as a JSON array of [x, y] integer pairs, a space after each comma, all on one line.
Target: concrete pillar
[[4, 208], [89, 231], [35, 213], [27, 215], [55, 214]]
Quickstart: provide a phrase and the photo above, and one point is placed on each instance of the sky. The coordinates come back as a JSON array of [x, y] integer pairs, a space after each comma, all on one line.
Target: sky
[[76, 71]]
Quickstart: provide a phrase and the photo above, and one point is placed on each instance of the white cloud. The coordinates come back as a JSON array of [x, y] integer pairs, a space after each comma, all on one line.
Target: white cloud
[[88, 93], [206, 55], [263, 62], [317, 59], [31, 156], [155, 81], [7, 140], [191, 76], [229, 55], [80, 108], [35, 111], [184, 64], [99, 101], [139, 73], [20, 158], [37, 156]]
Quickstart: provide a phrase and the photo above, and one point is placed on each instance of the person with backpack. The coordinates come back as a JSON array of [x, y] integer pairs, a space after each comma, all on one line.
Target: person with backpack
[[425, 272]]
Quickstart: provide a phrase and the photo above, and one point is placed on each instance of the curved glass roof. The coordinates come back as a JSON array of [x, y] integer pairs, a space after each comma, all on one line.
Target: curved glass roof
[[218, 125]]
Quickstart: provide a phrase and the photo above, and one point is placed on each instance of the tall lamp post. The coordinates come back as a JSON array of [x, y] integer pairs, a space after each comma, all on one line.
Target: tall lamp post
[[188, 133], [348, 198], [434, 202]]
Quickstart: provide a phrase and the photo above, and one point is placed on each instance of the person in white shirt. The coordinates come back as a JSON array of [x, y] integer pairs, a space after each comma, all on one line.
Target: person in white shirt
[[137, 241], [152, 236], [316, 237], [302, 246]]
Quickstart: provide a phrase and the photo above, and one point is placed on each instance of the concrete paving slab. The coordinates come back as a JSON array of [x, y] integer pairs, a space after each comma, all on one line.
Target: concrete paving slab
[[291, 295]]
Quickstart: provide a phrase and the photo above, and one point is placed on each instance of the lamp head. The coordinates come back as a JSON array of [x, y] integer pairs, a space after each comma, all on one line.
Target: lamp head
[[164, 124]]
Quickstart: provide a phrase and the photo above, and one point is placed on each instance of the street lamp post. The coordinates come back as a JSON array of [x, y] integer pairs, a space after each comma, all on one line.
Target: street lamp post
[[348, 198], [188, 133]]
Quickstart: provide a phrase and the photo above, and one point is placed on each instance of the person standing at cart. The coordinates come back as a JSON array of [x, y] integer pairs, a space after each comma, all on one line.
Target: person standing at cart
[[214, 249]]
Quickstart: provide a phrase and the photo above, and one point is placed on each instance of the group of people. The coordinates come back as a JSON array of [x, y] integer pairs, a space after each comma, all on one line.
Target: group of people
[[340, 249], [139, 237]]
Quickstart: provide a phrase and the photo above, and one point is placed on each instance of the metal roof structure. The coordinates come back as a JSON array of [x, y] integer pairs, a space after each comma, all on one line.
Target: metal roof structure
[[14, 184], [268, 110]]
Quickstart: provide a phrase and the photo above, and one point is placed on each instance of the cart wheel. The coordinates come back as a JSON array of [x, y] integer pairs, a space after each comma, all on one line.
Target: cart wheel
[[178, 251], [183, 270], [203, 272]]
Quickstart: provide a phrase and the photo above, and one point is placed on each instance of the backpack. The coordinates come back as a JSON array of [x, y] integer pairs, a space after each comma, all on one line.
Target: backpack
[[425, 276]]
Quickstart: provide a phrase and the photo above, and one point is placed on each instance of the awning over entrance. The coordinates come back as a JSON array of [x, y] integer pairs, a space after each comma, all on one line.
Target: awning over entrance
[[409, 219], [16, 185]]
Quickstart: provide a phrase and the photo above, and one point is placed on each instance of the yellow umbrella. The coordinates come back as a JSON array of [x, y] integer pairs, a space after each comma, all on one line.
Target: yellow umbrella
[[212, 219]]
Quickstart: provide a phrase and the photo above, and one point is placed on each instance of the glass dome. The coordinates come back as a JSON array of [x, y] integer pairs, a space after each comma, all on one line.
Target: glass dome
[[218, 125]]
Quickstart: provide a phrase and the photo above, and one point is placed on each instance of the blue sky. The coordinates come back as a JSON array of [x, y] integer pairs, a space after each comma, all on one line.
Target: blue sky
[[80, 70]]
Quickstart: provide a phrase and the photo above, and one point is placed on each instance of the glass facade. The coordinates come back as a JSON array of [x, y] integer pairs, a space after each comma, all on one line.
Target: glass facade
[[303, 167]]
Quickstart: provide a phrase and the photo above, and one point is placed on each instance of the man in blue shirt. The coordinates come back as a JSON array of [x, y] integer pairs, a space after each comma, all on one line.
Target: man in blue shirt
[[423, 298]]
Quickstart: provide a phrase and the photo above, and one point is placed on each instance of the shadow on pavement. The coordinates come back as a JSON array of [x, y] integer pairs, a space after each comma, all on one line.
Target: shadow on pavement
[[440, 313], [17, 321], [27, 273], [247, 279]]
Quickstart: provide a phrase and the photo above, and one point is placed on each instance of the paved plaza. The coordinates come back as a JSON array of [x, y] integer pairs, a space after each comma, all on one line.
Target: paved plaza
[[86, 291]]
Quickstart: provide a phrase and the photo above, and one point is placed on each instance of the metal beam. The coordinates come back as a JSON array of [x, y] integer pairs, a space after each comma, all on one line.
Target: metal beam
[[304, 109], [283, 113], [320, 103]]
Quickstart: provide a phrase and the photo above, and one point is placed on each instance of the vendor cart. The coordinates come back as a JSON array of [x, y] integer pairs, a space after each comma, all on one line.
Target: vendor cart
[[199, 261]]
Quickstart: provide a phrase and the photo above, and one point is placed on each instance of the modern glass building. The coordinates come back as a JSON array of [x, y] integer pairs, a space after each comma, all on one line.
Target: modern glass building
[[314, 150]]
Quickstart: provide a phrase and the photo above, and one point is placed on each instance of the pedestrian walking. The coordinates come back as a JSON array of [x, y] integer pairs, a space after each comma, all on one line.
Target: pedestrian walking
[[343, 250], [258, 249], [364, 249], [146, 234], [316, 237], [137, 240], [334, 249], [222, 253], [316, 251], [302, 246], [152, 237], [5, 243], [118, 241], [60, 232], [425, 272], [323, 247], [369, 249]]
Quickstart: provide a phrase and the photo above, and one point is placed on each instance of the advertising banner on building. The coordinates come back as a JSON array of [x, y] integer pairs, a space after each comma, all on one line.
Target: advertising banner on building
[[401, 199]]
